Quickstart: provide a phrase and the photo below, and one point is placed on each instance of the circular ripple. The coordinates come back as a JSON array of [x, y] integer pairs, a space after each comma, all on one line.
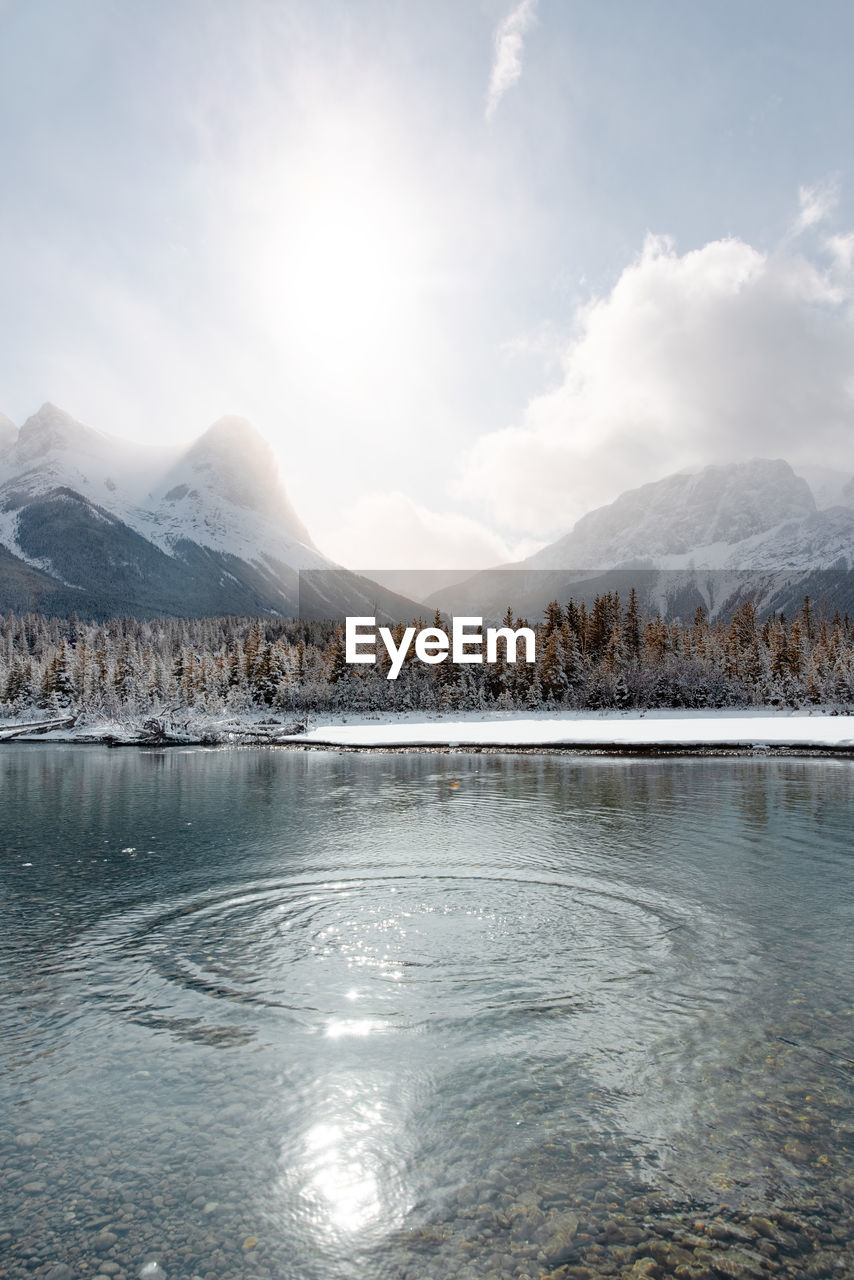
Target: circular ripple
[[353, 956]]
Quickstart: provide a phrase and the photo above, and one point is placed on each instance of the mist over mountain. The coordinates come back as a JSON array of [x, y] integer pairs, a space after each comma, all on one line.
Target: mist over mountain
[[93, 524], [830, 487], [103, 527], [8, 433], [714, 537]]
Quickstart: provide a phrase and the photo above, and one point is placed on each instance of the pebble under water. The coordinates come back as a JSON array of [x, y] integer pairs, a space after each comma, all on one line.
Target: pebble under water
[[317, 1016]]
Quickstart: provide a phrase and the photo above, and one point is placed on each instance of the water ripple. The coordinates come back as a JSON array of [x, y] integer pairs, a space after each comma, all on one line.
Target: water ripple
[[470, 954]]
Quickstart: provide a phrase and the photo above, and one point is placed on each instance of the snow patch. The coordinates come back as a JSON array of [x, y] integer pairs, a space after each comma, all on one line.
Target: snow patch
[[649, 728]]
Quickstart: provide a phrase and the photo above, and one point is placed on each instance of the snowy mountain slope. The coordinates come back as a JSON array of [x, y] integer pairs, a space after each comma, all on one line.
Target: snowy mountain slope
[[121, 528], [716, 508], [223, 492], [714, 537]]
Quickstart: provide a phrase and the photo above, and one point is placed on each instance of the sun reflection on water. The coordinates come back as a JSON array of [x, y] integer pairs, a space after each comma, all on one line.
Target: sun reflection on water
[[346, 1167], [352, 1027], [342, 1178]]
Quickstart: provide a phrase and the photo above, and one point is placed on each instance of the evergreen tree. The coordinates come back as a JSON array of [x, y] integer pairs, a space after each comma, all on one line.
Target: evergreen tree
[[552, 669], [19, 686], [553, 619], [124, 673], [57, 685], [632, 628], [336, 659]]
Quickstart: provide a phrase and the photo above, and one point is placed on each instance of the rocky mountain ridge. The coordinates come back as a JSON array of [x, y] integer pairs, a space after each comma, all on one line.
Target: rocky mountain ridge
[[714, 537]]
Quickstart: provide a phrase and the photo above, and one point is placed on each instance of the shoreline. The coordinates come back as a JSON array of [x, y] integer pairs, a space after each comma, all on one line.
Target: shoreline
[[641, 751], [754, 732], [615, 750]]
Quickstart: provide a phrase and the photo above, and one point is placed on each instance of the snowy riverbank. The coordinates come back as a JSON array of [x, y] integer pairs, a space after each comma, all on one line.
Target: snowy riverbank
[[732, 729], [753, 728]]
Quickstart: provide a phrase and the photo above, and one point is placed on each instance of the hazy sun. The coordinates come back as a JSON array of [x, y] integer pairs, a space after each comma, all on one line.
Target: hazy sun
[[351, 264], [343, 271]]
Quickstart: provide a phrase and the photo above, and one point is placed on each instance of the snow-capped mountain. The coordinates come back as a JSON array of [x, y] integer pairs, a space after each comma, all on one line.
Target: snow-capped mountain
[[708, 517], [92, 523], [223, 492], [713, 537]]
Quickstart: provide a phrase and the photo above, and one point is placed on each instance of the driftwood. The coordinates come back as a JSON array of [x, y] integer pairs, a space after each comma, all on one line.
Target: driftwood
[[38, 726], [166, 730]]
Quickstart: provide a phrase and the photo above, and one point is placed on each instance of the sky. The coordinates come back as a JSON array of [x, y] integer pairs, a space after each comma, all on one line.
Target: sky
[[472, 266]]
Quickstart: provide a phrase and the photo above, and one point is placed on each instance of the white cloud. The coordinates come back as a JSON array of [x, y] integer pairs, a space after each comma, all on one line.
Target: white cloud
[[817, 204], [715, 355], [387, 530], [507, 59], [841, 249]]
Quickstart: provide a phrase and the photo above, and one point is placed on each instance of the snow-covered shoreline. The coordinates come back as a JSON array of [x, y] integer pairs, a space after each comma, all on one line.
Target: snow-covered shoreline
[[753, 729], [748, 729]]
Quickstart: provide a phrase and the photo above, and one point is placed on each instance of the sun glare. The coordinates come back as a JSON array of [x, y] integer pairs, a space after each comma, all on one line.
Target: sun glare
[[343, 274], [350, 265]]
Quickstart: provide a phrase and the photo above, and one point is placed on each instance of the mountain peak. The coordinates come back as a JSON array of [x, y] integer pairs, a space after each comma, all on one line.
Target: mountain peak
[[232, 437], [231, 427], [52, 429], [688, 510], [234, 442], [233, 461]]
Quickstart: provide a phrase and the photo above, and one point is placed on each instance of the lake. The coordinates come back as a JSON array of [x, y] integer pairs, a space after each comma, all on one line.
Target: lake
[[272, 1013]]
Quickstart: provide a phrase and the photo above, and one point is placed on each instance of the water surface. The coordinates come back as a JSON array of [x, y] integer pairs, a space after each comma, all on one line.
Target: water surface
[[272, 1013]]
